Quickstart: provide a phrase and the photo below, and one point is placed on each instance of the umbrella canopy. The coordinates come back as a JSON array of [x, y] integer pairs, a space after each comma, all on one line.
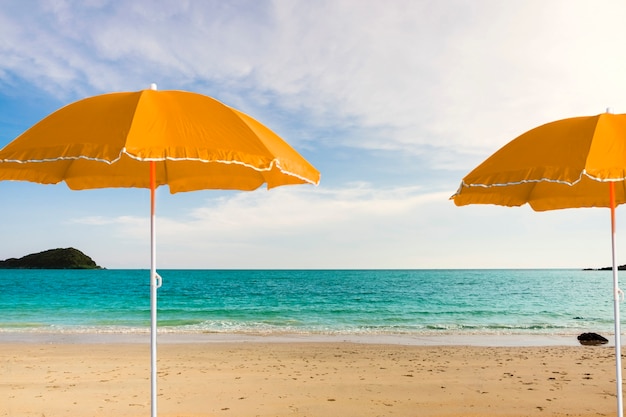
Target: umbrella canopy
[[564, 164], [151, 138], [569, 163], [196, 141]]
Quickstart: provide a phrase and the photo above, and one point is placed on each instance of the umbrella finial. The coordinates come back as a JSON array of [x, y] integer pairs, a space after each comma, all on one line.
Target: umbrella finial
[[153, 86], [608, 110]]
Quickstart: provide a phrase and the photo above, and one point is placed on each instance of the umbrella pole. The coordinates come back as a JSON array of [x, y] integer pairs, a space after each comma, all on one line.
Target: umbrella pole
[[617, 296], [155, 283]]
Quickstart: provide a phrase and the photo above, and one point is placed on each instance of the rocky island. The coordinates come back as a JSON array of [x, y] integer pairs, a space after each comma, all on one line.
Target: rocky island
[[67, 258], [606, 268]]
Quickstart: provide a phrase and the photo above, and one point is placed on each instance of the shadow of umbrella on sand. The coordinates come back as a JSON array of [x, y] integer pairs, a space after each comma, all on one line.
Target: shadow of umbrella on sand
[[569, 163], [150, 138]]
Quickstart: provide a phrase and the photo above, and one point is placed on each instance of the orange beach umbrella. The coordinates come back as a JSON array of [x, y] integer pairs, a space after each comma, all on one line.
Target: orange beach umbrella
[[196, 143], [569, 163], [150, 138]]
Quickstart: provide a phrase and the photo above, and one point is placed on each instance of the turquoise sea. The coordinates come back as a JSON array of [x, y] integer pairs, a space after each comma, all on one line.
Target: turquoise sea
[[309, 302]]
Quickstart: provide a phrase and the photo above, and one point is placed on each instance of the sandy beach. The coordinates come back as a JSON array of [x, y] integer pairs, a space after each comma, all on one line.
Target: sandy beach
[[271, 379]]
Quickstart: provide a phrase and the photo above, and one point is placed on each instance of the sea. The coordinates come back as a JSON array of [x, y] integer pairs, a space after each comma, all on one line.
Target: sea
[[403, 303]]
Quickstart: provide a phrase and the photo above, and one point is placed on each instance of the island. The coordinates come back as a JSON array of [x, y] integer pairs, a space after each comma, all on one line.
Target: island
[[606, 268], [60, 258]]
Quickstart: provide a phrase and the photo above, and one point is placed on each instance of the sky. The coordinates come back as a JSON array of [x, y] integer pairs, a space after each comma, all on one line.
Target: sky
[[394, 102]]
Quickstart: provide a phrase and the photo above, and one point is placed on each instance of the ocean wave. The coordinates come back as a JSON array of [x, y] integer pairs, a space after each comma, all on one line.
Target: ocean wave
[[264, 329]]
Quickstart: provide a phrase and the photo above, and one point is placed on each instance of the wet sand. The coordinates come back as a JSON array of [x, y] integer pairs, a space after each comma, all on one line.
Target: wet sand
[[310, 378]]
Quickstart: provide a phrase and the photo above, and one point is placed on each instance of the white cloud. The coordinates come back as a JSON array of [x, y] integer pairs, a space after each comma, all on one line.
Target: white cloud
[[362, 227], [467, 75], [283, 227], [105, 221]]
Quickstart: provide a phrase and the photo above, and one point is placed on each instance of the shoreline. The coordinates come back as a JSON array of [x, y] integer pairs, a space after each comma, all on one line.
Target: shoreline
[[476, 340]]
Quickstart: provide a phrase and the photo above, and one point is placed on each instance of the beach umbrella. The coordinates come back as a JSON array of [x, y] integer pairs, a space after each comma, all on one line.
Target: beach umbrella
[[151, 138], [568, 163]]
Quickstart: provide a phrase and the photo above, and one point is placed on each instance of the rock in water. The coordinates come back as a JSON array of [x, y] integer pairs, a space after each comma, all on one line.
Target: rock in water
[[592, 339]]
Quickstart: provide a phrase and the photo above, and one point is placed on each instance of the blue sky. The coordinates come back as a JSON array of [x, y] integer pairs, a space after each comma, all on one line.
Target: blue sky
[[393, 101]]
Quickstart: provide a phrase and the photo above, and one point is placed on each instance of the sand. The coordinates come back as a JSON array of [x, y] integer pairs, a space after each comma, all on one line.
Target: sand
[[232, 379]]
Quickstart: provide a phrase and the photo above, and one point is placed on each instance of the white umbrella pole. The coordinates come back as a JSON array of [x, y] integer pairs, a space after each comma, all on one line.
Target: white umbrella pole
[[617, 296], [155, 283]]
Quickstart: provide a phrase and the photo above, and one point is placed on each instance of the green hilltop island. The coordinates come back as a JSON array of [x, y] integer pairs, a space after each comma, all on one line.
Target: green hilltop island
[[67, 258]]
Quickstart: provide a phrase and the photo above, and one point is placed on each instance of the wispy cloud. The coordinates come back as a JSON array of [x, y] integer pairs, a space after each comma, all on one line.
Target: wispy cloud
[[291, 221], [397, 76]]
